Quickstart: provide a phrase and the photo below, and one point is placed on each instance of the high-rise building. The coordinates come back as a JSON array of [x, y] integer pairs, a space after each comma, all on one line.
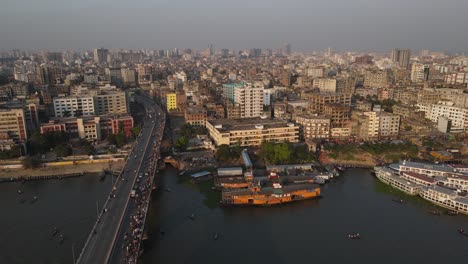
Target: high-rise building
[[13, 124], [128, 76], [74, 106], [228, 90], [110, 102], [100, 55], [171, 101], [145, 73], [402, 57], [419, 72], [250, 100]]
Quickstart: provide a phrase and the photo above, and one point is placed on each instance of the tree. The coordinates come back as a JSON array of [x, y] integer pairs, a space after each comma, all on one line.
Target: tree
[[181, 143], [31, 163], [136, 131], [63, 150], [88, 147]]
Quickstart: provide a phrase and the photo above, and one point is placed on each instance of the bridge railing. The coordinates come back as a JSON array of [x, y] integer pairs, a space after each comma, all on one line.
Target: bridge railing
[[92, 233]]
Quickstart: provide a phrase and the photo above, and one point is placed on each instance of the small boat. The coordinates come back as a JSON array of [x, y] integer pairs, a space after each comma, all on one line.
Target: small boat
[[452, 213], [168, 190], [22, 200], [463, 232], [435, 212], [354, 236], [162, 232], [398, 200], [34, 199], [216, 236], [339, 168], [61, 239], [192, 217], [54, 231], [20, 192]]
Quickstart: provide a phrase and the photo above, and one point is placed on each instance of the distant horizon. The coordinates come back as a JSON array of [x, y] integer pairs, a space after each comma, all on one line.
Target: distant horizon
[[380, 52], [359, 25]]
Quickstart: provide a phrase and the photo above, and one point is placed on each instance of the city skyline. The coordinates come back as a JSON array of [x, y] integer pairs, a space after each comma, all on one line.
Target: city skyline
[[307, 25]]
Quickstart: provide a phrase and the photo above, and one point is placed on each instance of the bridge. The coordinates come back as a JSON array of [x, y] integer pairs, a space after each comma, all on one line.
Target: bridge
[[117, 233]]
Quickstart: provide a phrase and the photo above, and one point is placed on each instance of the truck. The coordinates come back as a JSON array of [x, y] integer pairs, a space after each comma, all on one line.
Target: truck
[[132, 193]]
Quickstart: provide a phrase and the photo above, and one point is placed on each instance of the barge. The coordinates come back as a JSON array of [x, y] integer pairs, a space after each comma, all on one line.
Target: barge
[[264, 196]]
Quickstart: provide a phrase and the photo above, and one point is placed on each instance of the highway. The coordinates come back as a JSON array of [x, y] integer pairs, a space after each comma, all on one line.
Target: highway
[[105, 242]]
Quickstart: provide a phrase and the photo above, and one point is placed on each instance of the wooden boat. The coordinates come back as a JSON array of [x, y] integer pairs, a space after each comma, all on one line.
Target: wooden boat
[[398, 200], [354, 236], [435, 212], [463, 232]]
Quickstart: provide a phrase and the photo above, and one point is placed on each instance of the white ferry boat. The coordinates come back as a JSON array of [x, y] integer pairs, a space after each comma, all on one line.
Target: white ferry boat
[[388, 176]]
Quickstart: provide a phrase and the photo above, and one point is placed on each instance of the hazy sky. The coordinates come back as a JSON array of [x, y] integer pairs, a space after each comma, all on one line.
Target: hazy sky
[[364, 25]]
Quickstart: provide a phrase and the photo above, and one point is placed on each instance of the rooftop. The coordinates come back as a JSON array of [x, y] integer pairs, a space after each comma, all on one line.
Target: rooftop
[[427, 166], [225, 125]]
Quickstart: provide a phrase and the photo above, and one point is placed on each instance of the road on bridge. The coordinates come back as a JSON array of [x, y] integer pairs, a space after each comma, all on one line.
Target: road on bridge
[[105, 239]]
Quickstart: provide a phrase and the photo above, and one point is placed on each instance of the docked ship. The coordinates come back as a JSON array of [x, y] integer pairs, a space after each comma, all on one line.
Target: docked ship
[[265, 196], [446, 190]]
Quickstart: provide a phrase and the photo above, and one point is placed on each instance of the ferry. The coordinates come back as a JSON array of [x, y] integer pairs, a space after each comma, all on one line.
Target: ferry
[[265, 196], [388, 176], [429, 189]]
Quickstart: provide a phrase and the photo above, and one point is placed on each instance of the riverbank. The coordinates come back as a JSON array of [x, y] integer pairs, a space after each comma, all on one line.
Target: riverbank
[[59, 170]]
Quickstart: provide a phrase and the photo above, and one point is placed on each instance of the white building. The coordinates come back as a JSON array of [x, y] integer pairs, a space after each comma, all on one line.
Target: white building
[[73, 106], [389, 124], [267, 94], [250, 100], [457, 115], [325, 84]]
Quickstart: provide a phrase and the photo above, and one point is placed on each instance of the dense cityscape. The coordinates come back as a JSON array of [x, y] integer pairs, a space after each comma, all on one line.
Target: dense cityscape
[[260, 126], [209, 131]]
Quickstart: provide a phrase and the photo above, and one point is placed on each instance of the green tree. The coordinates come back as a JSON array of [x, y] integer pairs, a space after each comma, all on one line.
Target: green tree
[[63, 150], [181, 143], [31, 163], [136, 131]]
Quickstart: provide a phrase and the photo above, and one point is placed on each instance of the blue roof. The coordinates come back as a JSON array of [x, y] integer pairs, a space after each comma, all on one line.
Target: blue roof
[[247, 161], [200, 174]]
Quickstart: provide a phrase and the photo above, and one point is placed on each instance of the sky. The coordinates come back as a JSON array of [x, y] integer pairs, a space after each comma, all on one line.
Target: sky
[[308, 25]]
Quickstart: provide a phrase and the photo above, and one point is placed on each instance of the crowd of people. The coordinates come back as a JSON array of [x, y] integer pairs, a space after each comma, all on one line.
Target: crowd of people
[[133, 237]]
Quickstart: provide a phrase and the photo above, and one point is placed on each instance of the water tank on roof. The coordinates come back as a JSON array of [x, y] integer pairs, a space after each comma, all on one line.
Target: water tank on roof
[[290, 124], [219, 126], [259, 126]]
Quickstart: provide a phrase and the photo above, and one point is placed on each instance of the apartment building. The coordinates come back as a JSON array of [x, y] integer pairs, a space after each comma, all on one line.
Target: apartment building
[[389, 125], [91, 128], [250, 100], [376, 78], [108, 102], [74, 106], [251, 132], [171, 101], [313, 127], [13, 124], [367, 125], [419, 72], [339, 114], [317, 101], [457, 115], [196, 116]]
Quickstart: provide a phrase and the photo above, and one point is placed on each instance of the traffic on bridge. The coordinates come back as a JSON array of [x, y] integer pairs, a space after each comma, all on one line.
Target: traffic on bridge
[[117, 233]]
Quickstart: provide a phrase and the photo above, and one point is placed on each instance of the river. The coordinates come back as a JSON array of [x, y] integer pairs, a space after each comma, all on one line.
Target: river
[[304, 232], [301, 232], [68, 204]]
